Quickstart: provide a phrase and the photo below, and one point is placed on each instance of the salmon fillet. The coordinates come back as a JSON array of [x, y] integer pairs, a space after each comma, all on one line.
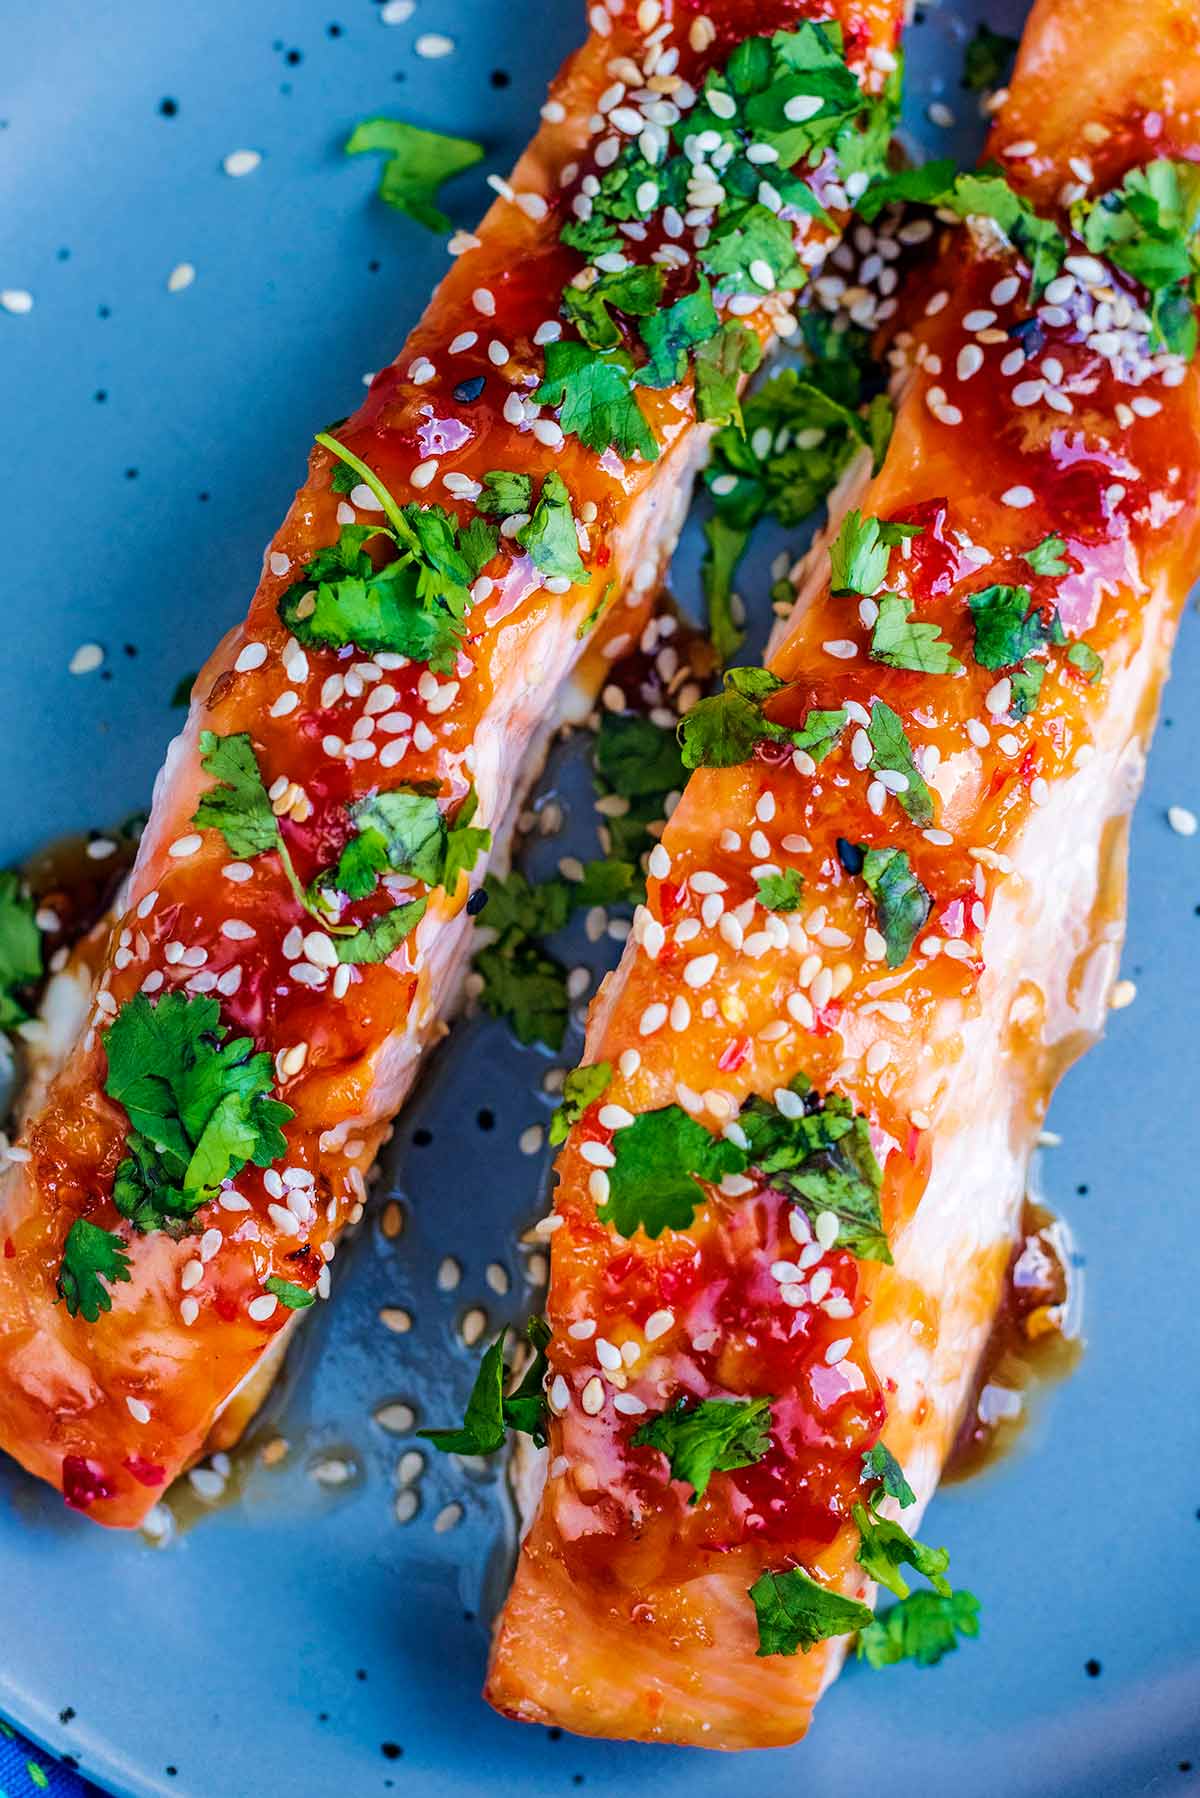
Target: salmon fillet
[[891, 917], [468, 549]]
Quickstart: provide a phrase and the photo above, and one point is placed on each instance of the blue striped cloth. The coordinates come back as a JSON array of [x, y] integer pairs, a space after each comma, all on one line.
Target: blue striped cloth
[[29, 1772]]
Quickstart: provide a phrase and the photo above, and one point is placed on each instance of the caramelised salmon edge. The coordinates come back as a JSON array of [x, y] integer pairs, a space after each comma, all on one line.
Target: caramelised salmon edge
[[907, 928], [491, 521]]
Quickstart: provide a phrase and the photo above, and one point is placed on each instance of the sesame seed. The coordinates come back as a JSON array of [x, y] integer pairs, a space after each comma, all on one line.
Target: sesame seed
[[652, 1019], [592, 1397], [628, 1404], [241, 162], [801, 107], [1124, 993], [681, 1013], [180, 277], [433, 45], [423, 473], [658, 1323], [1019, 497], [182, 847], [700, 971], [1182, 821], [530, 1139], [837, 1351], [484, 300], [261, 1308]]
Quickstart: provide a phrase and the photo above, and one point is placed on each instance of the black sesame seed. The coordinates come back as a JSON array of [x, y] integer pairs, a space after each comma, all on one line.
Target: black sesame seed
[[1029, 334], [1185, 1766], [67, 1715], [293, 57], [69, 1760], [168, 108], [100, 395], [391, 1751], [333, 31], [476, 902], [500, 78], [64, 255], [485, 1118], [1092, 1669], [131, 474], [554, 1733], [422, 1137], [374, 267], [466, 391], [104, 312], [850, 855], [360, 1673]]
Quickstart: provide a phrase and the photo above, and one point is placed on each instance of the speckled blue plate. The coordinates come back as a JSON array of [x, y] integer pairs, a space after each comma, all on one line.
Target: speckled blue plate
[[301, 1637]]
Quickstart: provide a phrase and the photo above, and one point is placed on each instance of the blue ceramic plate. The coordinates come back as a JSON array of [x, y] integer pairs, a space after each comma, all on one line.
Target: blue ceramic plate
[[300, 1637]]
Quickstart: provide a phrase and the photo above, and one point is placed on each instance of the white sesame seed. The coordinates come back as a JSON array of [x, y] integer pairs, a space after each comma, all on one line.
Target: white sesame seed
[[241, 162], [253, 655], [261, 1308], [433, 45], [1182, 821], [592, 1397], [700, 970], [652, 1019], [658, 1323], [484, 300], [837, 1351], [16, 301], [628, 1404], [1019, 497], [181, 276], [182, 847]]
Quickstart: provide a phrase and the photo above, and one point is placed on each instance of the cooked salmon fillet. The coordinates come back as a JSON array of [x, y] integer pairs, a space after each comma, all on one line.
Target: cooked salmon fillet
[[892, 916], [473, 545]]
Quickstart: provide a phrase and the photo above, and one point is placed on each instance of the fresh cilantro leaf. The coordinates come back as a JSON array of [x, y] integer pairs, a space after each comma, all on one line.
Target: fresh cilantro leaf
[[922, 1628], [892, 751], [465, 843], [720, 363], [637, 758], [660, 1160], [379, 937], [982, 193], [901, 902], [581, 1088], [904, 642], [1084, 657], [489, 1414], [880, 1466], [795, 1613], [824, 1161], [238, 805], [1008, 628], [1026, 684], [198, 1106], [1049, 556], [670, 335], [725, 545], [1148, 227], [781, 892], [986, 57], [505, 493], [885, 1546], [745, 235], [724, 729], [418, 163], [820, 732], [296, 1298], [636, 291], [524, 985], [594, 391], [550, 537], [717, 1435], [20, 948], [860, 553], [91, 1256]]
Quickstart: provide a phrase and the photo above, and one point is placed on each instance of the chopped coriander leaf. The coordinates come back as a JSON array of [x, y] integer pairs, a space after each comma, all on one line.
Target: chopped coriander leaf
[[91, 1257], [781, 892], [238, 806], [199, 1107], [892, 751], [880, 1466], [20, 948], [885, 1546], [720, 363], [660, 1160], [986, 57], [489, 1414], [1026, 684], [1084, 657], [402, 832], [984, 193], [381, 936], [725, 545], [639, 760], [717, 1435], [901, 902], [721, 731], [505, 493], [636, 291], [820, 732], [526, 987], [1008, 627], [418, 163], [594, 391], [1049, 556], [901, 641], [670, 336], [1148, 227], [550, 537], [824, 1162], [922, 1628], [746, 237], [795, 1613], [465, 843], [295, 1298], [581, 1088], [861, 551]]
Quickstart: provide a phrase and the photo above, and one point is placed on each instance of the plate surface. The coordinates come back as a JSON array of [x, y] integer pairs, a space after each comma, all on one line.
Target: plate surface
[[298, 1638]]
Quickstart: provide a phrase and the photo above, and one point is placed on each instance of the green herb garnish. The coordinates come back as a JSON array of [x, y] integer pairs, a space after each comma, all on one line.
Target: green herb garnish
[[490, 1414], [581, 1088], [794, 1613], [20, 948], [418, 163], [901, 903], [716, 1435], [594, 391], [91, 1257]]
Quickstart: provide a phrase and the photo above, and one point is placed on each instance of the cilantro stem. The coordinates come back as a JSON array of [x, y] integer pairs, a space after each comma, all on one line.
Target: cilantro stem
[[399, 525]]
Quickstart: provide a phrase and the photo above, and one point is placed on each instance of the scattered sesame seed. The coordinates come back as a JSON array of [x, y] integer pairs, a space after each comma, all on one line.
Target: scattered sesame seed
[[434, 45], [1124, 993], [241, 162], [87, 659], [1019, 497], [1181, 820]]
